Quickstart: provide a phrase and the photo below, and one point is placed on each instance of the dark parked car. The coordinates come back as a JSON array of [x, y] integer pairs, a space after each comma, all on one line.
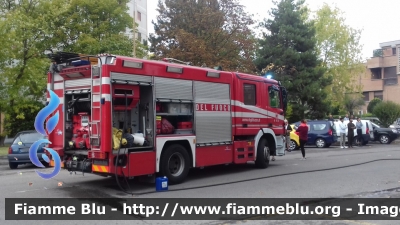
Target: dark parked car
[[395, 125], [373, 120], [384, 135], [321, 133], [18, 153]]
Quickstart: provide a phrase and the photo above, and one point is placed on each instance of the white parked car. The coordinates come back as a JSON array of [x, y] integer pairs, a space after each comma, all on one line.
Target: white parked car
[[367, 131]]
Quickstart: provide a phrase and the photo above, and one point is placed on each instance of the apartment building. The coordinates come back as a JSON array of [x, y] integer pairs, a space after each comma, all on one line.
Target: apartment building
[[138, 11], [382, 77]]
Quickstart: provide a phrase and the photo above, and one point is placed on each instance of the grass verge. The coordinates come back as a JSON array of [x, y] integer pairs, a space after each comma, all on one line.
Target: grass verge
[[3, 151]]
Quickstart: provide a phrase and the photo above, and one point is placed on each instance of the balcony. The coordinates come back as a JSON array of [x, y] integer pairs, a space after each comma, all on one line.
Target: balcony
[[375, 62], [372, 85], [389, 61]]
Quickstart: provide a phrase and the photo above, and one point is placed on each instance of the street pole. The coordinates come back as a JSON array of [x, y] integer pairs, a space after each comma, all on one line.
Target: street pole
[[134, 28]]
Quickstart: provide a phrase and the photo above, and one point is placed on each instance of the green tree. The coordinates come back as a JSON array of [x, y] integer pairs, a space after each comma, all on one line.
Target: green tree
[[339, 48], [352, 102], [29, 27], [387, 112], [287, 50], [289, 112], [372, 104], [3, 103], [205, 33], [23, 118], [93, 27], [23, 32]]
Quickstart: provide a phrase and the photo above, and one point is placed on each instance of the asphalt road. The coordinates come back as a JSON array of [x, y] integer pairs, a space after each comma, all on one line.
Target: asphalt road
[[368, 171]]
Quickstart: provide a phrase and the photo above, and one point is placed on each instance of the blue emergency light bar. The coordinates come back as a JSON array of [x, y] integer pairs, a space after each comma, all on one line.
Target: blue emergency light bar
[[268, 76]]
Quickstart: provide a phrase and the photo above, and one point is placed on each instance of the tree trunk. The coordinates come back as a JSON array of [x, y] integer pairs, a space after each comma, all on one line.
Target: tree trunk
[[2, 139]]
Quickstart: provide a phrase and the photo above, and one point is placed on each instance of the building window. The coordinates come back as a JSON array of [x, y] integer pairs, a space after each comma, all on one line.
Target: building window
[[366, 96], [376, 73], [394, 51], [249, 91], [390, 76], [390, 72], [139, 36], [139, 16], [378, 94]]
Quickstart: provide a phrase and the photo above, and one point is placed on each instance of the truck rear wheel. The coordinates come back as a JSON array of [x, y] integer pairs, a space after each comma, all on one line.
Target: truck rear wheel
[[175, 164], [263, 154]]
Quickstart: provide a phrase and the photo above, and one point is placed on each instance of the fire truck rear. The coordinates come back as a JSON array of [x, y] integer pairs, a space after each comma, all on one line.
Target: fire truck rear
[[129, 117]]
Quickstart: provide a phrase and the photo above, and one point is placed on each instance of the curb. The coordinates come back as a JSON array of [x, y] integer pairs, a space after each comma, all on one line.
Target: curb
[[397, 141], [3, 160]]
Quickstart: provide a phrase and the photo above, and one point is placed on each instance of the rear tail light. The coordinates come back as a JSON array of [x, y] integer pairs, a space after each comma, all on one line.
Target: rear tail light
[[9, 150], [367, 130], [330, 132]]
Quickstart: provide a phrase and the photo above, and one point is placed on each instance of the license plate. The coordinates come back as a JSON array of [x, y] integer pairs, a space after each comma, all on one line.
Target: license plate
[[24, 149]]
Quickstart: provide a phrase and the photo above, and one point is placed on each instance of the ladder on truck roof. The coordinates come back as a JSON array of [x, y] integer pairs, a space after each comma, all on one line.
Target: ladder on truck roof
[[95, 109]]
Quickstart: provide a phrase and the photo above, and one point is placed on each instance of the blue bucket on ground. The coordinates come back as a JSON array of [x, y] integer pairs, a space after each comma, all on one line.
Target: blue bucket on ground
[[161, 184]]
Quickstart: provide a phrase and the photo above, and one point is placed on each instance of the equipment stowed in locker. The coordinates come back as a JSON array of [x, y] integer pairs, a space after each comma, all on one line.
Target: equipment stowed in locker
[[126, 106]]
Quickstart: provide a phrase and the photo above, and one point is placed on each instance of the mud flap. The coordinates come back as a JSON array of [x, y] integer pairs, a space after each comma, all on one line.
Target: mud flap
[[280, 145]]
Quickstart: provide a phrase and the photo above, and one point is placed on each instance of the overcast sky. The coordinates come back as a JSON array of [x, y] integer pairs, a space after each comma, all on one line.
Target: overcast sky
[[377, 18]]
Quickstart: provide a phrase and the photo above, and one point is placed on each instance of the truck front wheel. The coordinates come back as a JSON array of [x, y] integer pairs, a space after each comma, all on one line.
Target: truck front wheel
[[263, 154], [175, 164]]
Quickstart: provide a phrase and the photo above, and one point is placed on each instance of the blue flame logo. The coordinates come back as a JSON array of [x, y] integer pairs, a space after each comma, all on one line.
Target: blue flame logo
[[39, 126]]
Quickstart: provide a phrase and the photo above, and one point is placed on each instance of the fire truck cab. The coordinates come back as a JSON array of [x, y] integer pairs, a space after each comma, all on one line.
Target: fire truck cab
[[123, 116]]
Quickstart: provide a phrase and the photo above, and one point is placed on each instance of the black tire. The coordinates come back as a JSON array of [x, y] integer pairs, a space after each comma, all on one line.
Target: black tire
[[384, 139], [355, 141], [320, 143], [45, 164], [13, 165], [263, 154], [293, 145], [175, 164]]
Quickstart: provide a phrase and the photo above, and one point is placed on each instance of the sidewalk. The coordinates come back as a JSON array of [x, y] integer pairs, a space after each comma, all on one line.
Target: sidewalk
[[395, 142], [3, 160]]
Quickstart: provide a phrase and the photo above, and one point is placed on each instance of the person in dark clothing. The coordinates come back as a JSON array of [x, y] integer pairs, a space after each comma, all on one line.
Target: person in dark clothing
[[303, 136], [350, 133]]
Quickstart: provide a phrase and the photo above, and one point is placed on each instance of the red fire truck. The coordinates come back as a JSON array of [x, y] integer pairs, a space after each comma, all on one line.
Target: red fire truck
[[130, 117]]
